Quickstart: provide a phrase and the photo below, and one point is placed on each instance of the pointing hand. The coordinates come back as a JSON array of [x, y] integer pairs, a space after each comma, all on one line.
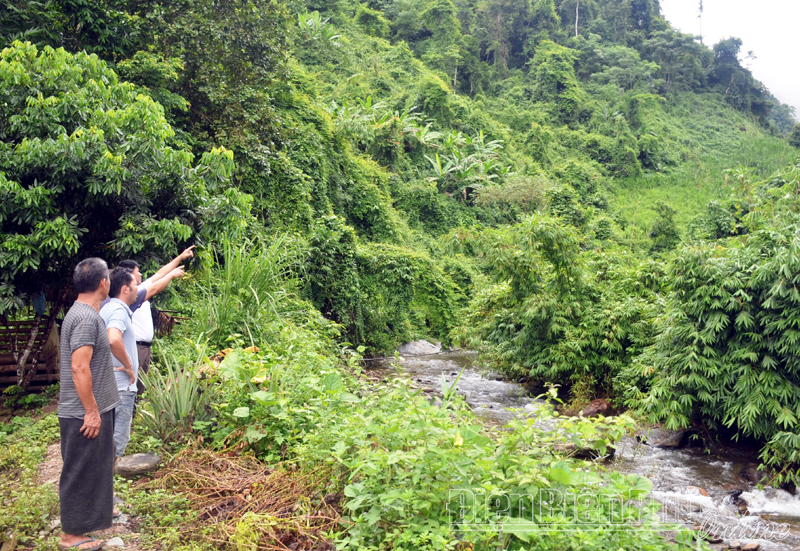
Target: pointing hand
[[188, 253]]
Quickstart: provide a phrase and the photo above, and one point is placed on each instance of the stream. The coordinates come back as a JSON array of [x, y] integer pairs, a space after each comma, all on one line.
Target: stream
[[694, 488]]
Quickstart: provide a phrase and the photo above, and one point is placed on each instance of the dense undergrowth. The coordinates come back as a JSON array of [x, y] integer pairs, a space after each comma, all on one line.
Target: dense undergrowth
[[384, 453]]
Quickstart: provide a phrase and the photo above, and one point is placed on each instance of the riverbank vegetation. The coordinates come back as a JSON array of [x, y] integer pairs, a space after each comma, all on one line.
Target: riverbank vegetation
[[584, 195]]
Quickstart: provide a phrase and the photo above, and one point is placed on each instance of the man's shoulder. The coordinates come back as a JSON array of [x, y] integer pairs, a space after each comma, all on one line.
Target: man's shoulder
[[81, 322], [79, 313], [114, 310], [108, 310]]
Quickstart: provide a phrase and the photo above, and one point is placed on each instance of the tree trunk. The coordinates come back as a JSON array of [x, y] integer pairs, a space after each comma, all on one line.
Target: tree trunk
[[24, 377], [577, 16], [455, 80], [21, 357]]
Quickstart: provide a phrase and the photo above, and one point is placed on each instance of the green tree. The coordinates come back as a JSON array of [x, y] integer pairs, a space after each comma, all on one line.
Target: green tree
[[442, 50], [231, 58], [32, 20], [503, 29], [94, 26], [555, 81], [682, 61], [794, 137], [664, 232], [545, 21], [372, 21], [736, 82], [577, 14], [87, 171]]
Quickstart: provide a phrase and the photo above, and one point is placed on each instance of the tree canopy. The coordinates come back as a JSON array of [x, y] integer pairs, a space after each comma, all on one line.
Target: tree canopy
[[88, 170]]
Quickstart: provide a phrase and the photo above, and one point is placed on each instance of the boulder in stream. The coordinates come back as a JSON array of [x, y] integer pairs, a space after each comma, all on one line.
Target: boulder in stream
[[137, 464], [597, 407], [419, 348], [663, 438], [751, 547], [751, 473]]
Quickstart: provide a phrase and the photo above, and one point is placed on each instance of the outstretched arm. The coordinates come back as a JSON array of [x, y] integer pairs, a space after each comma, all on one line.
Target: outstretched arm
[[158, 286], [166, 269]]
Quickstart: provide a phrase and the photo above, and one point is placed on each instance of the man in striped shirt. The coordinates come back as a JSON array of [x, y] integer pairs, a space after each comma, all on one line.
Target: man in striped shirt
[[88, 397]]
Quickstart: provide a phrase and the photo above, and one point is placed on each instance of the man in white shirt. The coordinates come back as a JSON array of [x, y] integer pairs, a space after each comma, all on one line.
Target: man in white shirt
[[142, 316]]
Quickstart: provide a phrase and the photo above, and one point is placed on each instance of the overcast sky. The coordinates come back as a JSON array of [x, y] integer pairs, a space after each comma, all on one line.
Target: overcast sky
[[768, 28]]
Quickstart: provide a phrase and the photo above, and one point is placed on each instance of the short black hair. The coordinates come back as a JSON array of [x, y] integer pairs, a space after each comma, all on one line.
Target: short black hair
[[128, 264], [88, 274], [119, 276]]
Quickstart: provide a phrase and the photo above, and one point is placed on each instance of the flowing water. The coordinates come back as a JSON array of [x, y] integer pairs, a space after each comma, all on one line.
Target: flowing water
[[695, 488]]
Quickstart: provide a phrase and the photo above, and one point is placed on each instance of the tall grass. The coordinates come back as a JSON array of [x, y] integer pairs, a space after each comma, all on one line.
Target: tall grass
[[251, 285], [690, 186], [175, 396]]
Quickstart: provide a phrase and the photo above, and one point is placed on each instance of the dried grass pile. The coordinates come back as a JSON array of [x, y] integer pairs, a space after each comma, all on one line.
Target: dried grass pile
[[251, 506]]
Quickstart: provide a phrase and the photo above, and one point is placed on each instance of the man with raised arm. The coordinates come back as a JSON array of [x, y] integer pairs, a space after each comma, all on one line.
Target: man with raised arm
[[88, 396], [142, 317]]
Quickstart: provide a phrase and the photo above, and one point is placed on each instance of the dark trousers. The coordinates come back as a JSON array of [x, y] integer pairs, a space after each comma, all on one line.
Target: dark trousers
[[86, 490], [144, 353]]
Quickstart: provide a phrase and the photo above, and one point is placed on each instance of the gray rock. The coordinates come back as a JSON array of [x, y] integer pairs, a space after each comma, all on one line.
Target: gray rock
[[115, 542], [663, 438], [494, 376], [751, 547], [137, 464], [734, 545], [419, 348]]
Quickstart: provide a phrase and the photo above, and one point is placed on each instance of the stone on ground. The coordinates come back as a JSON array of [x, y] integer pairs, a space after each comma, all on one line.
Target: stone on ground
[[137, 464]]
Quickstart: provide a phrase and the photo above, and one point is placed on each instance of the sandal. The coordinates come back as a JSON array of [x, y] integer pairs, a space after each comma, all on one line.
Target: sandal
[[87, 540]]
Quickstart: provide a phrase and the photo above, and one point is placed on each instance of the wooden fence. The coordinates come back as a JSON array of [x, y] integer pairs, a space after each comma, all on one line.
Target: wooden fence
[[47, 367]]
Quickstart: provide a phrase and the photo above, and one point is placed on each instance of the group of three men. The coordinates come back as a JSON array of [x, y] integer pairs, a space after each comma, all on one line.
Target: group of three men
[[105, 342]]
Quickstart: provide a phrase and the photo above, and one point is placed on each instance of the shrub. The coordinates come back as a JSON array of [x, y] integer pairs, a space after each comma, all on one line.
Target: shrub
[[558, 314], [664, 232], [252, 283], [794, 137], [435, 99], [727, 353], [372, 21], [176, 398]]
